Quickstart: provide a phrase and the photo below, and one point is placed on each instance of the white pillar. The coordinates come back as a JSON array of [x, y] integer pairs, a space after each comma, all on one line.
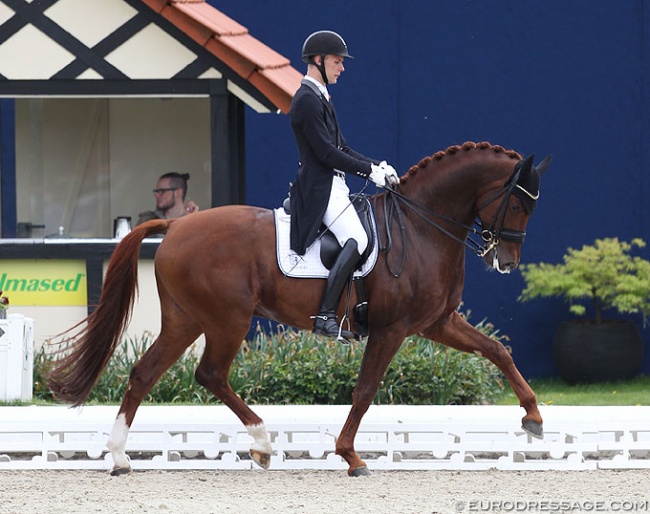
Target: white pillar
[[16, 358]]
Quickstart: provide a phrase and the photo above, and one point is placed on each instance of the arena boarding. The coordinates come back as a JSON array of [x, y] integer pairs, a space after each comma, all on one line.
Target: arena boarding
[[303, 437]]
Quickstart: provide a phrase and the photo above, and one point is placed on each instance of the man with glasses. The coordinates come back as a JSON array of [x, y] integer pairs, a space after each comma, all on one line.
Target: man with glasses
[[170, 194]]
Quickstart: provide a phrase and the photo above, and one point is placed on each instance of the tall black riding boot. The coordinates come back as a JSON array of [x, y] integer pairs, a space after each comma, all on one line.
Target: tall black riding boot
[[326, 322]]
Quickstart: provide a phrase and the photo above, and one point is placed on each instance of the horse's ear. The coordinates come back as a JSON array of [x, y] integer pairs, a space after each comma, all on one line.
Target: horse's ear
[[543, 166], [527, 163]]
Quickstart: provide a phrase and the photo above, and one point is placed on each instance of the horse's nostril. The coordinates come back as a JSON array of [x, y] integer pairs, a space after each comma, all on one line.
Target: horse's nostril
[[509, 266], [503, 267]]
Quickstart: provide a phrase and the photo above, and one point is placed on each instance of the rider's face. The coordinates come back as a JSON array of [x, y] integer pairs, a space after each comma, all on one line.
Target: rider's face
[[333, 67]]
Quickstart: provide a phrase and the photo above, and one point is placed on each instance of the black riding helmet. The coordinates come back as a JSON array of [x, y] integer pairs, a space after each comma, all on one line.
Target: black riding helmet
[[322, 43]]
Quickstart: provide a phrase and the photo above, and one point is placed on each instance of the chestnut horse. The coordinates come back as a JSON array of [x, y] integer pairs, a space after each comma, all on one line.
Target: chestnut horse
[[216, 269]]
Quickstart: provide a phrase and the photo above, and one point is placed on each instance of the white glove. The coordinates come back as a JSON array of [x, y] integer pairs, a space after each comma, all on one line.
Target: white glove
[[377, 175], [391, 175], [383, 172]]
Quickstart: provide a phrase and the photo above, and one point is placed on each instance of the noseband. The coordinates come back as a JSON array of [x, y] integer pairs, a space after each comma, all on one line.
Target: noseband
[[493, 235], [490, 237]]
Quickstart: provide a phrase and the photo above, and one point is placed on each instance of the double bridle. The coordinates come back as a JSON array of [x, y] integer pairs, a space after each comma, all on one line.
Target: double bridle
[[490, 237]]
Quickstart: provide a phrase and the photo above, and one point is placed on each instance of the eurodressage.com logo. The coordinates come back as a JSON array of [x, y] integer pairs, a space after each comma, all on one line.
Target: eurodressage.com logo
[[559, 506]]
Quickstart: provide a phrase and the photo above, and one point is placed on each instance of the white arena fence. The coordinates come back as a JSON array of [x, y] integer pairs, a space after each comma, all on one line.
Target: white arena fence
[[303, 437]]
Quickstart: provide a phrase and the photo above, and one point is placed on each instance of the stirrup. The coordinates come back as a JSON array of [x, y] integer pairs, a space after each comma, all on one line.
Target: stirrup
[[341, 335]]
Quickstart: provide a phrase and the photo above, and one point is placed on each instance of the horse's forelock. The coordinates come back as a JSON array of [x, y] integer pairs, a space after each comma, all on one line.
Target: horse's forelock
[[455, 149]]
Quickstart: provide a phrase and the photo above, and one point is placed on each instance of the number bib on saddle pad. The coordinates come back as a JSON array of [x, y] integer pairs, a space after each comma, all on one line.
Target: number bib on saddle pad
[[310, 265]]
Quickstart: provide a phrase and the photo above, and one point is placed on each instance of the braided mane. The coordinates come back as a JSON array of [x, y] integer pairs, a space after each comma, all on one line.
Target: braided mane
[[465, 147]]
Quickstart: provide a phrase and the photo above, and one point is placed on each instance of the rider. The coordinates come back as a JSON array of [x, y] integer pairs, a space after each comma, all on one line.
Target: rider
[[319, 195]]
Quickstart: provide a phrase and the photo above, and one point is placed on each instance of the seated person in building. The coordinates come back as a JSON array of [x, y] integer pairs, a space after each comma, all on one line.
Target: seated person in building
[[170, 194]]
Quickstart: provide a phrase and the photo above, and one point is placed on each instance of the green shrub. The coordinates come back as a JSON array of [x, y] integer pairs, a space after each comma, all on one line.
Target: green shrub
[[291, 367], [604, 274]]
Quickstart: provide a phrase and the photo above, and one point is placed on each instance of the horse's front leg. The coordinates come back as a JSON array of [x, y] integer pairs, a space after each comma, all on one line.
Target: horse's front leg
[[379, 352], [458, 333]]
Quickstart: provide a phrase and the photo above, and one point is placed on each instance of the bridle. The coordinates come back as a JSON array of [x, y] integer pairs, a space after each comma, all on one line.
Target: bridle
[[493, 235], [489, 237]]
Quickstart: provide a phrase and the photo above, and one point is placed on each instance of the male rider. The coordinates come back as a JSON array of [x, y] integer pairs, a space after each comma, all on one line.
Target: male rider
[[319, 195]]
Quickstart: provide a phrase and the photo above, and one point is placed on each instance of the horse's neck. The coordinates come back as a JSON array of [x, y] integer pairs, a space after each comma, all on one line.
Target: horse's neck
[[449, 188]]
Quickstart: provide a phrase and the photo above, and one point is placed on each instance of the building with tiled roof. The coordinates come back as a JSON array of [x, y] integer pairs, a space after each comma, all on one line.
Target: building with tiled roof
[[125, 90]]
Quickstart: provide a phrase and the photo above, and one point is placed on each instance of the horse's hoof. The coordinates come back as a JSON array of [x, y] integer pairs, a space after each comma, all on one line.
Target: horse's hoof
[[363, 471], [533, 428], [116, 472], [263, 460]]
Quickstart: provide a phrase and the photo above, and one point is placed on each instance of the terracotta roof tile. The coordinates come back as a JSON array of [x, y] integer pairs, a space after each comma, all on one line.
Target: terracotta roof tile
[[230, 57], [265, 69], [278, 83], [250, 49], [156, 5], [193, 28], [216, 21]]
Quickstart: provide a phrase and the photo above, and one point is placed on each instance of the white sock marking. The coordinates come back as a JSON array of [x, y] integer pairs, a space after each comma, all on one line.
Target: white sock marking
[[117, 442], [262, 441]]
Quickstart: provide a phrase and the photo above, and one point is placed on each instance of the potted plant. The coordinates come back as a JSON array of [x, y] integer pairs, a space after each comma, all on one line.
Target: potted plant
[[609, 278]]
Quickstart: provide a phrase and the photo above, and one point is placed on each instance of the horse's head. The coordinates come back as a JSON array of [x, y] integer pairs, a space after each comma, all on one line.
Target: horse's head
[[504, 214]]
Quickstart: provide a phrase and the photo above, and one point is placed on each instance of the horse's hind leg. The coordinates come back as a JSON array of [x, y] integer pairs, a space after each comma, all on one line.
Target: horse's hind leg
[[165, 350], [457, 333], [220, 350]]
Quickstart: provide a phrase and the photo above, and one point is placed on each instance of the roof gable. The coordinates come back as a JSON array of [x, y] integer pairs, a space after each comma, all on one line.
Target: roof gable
[[138, 40]]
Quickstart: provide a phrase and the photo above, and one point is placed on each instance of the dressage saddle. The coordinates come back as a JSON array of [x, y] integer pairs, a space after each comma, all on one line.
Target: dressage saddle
[[329, 245]]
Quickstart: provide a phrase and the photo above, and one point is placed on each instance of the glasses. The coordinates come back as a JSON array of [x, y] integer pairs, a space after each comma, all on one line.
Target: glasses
[[163, 190]]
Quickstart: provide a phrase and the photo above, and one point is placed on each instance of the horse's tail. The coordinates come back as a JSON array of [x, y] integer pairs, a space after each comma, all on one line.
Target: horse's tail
[[74, 375]]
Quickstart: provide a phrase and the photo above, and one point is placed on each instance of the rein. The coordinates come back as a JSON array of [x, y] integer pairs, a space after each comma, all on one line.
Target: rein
[[490, 237]]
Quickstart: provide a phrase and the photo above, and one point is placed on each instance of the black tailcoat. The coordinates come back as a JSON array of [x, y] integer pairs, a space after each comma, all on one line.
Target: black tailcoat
[[322, 150]]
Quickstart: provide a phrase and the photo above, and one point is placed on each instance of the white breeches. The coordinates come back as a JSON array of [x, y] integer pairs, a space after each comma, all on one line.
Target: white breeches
[[341, 217]]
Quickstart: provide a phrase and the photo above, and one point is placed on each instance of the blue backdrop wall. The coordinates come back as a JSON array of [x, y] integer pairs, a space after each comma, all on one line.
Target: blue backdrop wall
[[563, 77]]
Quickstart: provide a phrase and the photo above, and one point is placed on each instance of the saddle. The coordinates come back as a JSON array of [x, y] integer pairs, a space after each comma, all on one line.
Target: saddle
[[330, 248], [329, 245]]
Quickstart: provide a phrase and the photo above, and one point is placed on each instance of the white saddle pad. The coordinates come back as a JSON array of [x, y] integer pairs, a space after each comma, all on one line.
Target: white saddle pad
[[309, 265]]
